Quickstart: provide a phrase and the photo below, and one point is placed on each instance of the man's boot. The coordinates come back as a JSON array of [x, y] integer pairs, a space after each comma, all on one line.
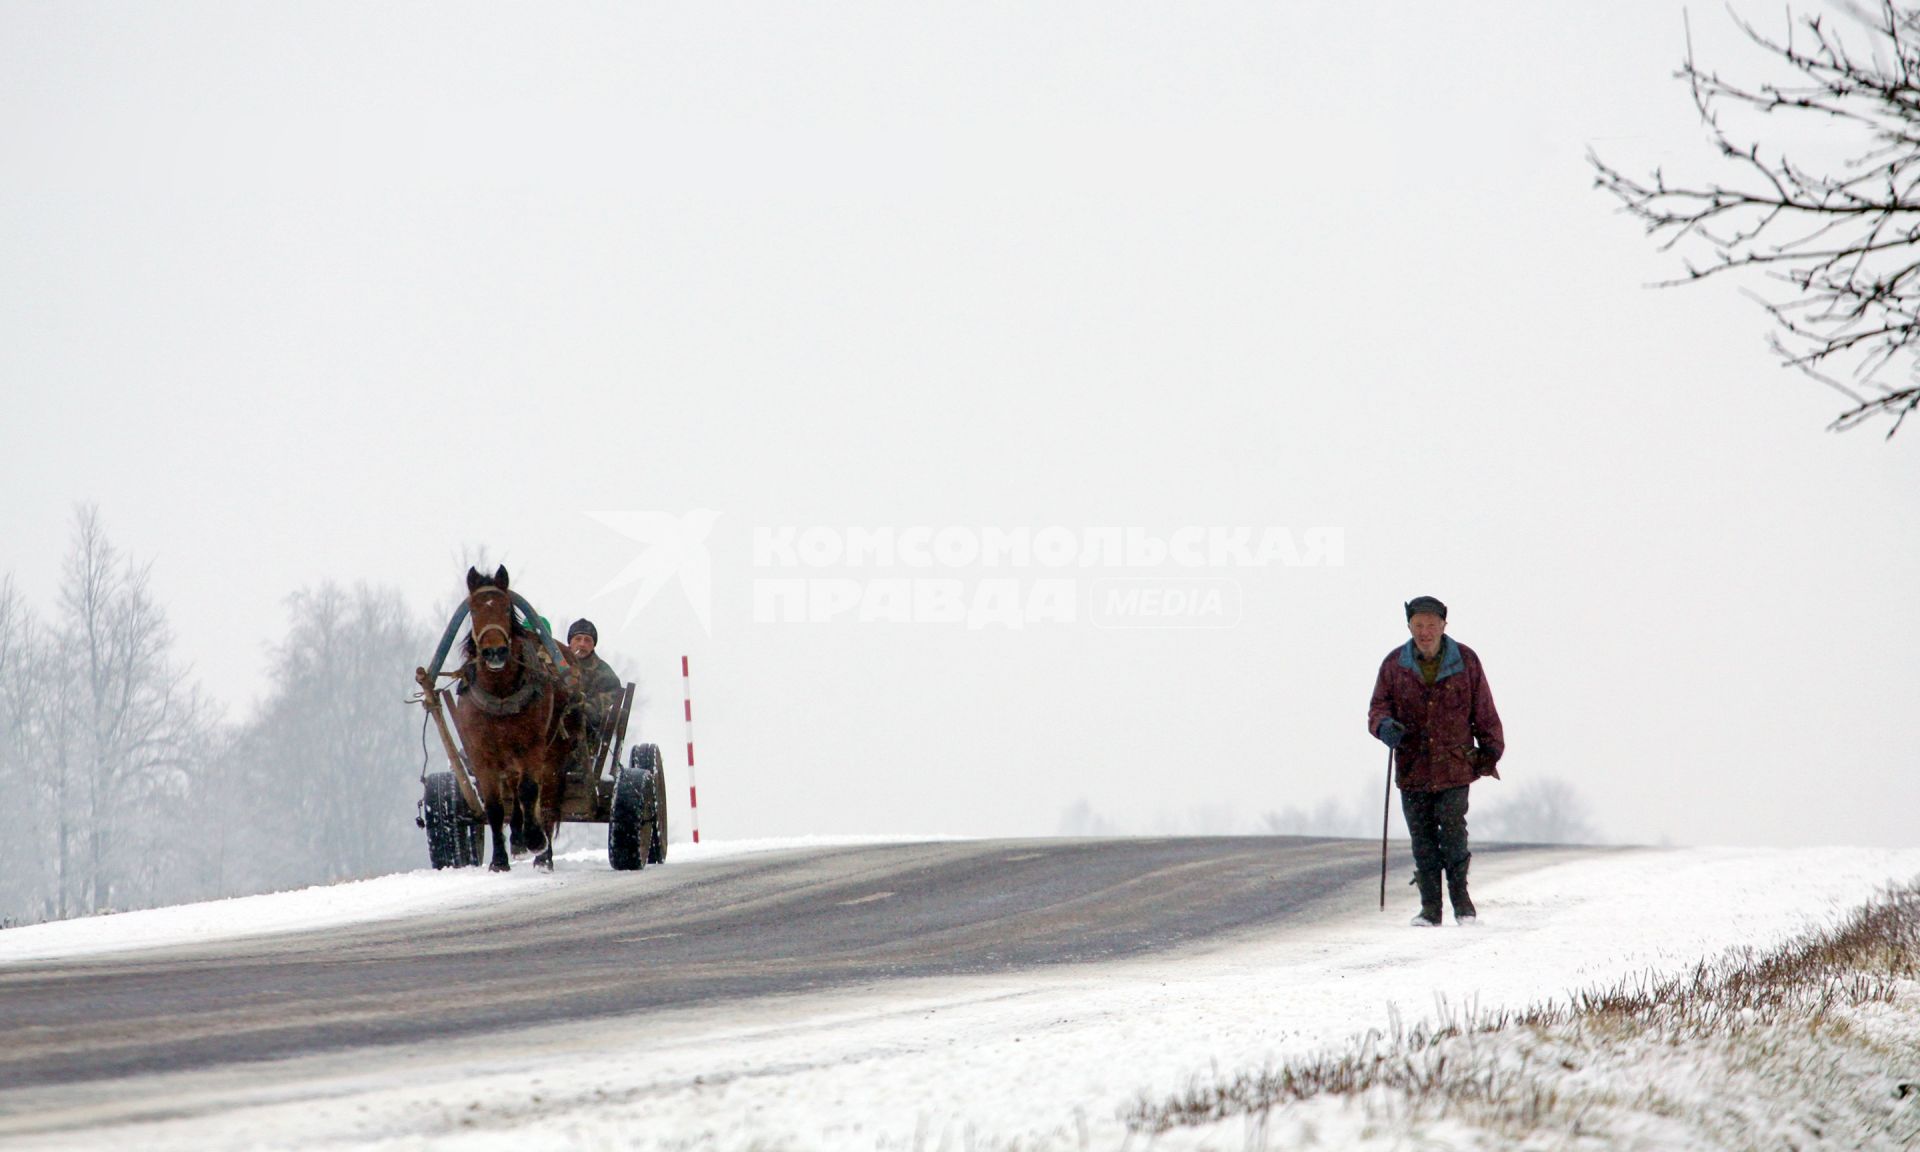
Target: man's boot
[[1463, 913], [1429, 914]]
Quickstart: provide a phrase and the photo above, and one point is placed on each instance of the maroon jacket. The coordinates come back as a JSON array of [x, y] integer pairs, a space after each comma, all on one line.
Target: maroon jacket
[[1443, 722]]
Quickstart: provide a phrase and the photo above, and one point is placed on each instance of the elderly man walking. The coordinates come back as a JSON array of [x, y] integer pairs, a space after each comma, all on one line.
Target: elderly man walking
[[1432, 706]]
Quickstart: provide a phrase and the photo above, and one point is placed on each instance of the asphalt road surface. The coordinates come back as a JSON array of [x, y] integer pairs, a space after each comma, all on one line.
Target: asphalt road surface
[[673, 937]]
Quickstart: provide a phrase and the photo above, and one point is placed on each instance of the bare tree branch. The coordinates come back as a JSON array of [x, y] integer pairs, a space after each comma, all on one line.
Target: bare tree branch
[[1840, 237]]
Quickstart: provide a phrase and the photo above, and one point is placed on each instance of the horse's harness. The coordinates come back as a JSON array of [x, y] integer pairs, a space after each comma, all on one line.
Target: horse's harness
[[533, 682], [537, 680]]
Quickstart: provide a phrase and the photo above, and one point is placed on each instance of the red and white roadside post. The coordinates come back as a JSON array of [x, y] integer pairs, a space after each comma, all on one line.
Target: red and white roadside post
[[693, 792]]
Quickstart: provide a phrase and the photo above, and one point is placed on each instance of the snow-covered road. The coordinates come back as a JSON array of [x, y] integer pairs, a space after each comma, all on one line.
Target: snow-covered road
[[1045, 1058]]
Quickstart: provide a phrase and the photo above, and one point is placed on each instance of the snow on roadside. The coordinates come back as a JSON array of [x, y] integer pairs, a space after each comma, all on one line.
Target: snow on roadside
[[323, 906], [1044, 1059], [1811, 1047], [351, 902]]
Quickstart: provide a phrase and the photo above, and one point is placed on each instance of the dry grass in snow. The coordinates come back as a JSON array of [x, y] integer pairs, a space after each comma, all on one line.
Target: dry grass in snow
[[1815, 1045]]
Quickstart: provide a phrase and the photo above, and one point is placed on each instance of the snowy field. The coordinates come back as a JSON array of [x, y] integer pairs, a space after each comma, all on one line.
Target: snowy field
[[1042, 1060]]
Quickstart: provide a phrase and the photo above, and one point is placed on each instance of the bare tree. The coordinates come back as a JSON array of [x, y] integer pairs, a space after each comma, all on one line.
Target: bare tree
[[1543, 810], [126, 724], [333, 755], [36, 764], [22, 861], [1329, 817], [126, 791], [1080, 819], [1837, 233]]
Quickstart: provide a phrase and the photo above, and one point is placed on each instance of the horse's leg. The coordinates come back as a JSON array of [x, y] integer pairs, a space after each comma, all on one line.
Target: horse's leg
[[549, 828], [529, 806], [547, 824], [496, 816], [550, 797], [532, 802], [520, 822]]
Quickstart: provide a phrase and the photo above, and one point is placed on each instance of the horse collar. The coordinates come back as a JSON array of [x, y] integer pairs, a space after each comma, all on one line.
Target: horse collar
[[512, 704]]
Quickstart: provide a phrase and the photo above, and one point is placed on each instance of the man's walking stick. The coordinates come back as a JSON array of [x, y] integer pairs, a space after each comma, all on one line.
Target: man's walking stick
[[1386, 808]]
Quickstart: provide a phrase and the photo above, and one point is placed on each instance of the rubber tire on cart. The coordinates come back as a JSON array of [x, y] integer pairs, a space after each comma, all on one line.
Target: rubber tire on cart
[[453, 838], [657, 847], [634, 821], [469, 841]]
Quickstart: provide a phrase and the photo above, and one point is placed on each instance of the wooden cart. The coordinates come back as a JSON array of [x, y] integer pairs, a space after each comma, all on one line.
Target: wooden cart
[[628, 797]]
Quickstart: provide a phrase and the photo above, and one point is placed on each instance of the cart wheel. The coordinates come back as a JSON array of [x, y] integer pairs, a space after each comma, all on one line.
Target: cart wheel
[[657, 847], [450, 837], [635, 815], [470, 836]]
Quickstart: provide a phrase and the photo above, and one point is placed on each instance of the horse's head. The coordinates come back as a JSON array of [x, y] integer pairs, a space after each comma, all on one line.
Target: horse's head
[[494, 628]]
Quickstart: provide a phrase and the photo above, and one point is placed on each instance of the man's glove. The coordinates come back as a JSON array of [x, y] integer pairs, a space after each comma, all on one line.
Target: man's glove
[[1484, 759], [1391, 732]]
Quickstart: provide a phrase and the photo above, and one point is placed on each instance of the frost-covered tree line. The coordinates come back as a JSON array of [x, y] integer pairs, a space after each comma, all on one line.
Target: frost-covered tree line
[[1540, 810], [126, 786], [1532, 810]]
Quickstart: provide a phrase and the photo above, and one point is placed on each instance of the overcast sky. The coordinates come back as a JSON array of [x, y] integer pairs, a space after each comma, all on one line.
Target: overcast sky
[[346, 291]]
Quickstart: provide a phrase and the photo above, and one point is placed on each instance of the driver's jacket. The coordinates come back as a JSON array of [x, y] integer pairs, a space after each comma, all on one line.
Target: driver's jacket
[[600, 686]]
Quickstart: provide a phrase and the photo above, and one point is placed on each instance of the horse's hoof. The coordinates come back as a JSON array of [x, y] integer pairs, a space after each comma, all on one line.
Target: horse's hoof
[[499, 866]]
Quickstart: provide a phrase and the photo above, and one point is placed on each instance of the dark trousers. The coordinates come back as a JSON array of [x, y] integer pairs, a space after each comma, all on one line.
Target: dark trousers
[[1437, 822]]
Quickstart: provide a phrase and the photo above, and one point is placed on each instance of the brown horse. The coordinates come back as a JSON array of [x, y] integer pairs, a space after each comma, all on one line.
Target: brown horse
[[508, 715]]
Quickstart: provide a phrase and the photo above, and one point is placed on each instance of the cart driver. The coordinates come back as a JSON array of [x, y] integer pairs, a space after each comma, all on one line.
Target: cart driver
[[600, 685]]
